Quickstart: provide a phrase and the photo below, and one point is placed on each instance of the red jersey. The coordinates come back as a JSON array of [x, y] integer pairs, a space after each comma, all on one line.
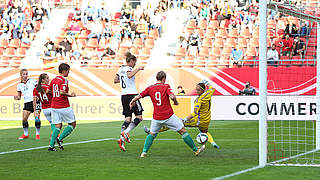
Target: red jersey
[[44, 98], [159, 94], [57, 84]]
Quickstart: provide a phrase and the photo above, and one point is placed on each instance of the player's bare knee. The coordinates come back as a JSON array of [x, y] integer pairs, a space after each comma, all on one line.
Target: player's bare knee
[[73, 124], [182, 131]]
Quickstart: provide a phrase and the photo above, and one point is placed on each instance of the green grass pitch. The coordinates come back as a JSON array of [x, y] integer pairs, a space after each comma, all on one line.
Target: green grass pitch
[[168, 158]]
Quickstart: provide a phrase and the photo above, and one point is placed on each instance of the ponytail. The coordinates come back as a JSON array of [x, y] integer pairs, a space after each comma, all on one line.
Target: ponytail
[[39, 87]]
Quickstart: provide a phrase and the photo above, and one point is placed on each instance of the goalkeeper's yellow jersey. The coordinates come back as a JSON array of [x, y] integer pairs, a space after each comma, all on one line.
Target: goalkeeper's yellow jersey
[[202, 107]]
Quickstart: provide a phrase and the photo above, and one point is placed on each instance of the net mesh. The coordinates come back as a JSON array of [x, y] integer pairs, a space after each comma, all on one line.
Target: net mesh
[[291, 134]]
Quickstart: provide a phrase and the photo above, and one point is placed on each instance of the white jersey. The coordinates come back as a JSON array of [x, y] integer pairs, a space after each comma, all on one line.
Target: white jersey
[[128, 85], [27, 89]]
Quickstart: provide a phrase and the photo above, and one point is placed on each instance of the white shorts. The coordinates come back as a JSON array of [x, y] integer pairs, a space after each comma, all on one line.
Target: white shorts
[[173, 123], [47, 114], [62, 115]]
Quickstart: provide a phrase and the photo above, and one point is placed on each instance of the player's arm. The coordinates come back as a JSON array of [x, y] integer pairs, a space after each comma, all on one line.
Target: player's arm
[[134, 72], [196, 109], [174, 99], [133, 101], [116, 79], [210, 89]]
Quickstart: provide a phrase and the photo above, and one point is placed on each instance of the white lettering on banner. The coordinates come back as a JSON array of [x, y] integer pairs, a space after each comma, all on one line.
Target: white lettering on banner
[[279, 107]]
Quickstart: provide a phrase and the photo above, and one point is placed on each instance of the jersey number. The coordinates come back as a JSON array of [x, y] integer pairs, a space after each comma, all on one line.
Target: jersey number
[[157, 96], [56, 92], [43, 98], [123, 85]]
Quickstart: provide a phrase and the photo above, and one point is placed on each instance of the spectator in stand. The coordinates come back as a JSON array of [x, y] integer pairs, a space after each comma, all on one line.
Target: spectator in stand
[[291, 29], [225, 12], [75, 53], [5, 29], [77, 13], [204, 12], [194, 42], [17, 31], [303, 30], [39, 13], [29, 27], [50, 49], [65, 47], [272, 55], [156, 21], [96, 29], [287, 45], [236, 56], [181, 91], [25, 38], [298, 47]]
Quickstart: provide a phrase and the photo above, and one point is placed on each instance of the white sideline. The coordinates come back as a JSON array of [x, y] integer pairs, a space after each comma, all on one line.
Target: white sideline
[[41, 147], [237, 173]]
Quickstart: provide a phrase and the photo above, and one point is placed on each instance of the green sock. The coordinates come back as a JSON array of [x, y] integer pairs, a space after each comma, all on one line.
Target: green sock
[[188, 140], [54, 136], [148, 142], [53, 126], [66, 132]]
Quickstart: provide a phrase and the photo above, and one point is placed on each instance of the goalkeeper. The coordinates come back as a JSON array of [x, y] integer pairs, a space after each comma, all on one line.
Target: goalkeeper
[[201, 115]]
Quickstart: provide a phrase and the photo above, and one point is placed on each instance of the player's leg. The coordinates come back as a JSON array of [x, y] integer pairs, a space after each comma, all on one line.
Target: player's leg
[[37, 122], [155, 127], [203, 127], [147, 130], [176, 124], [56, 119], [47, 114], [25, 124], [67, 116], [137, 110]]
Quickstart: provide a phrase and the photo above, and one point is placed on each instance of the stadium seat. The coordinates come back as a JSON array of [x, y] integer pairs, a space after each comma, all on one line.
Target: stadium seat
[[226, 51], [203, 24], [82, 42], [245, 33], [285, 60], [204, 51], [92, 43], [15, 43], [192, 24], [218, 42], [212, 61], [181, 52], [224, 59], [1, 51], [134, 51], [311, 51], [251, 51], [234, 33], [222, 33], [312, 42], [149, 43], [200, 62], [215, 52], [230, 42], [207, 43], [4, 43], [24, 45], [9, 52], [254, 42], [21, 52], [249, 60], [138, 42], [188, 63], [296, 60], [145, 53], [154, 34], [201, 33], [242, 42], [122, 51], [177, 62], [210, 33], [309, 60], [214, 24]]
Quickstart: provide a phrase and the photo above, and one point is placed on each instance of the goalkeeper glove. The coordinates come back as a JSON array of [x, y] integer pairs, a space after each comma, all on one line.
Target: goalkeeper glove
[[205, 82]]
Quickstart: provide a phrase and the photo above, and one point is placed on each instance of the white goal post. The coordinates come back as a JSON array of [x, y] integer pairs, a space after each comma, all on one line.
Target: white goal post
[[314, 137]]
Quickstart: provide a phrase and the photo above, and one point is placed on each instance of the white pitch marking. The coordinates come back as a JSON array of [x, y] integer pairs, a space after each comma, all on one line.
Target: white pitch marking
[[237, 173]]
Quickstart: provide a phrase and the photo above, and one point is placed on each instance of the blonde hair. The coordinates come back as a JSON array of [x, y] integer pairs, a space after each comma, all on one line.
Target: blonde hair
[[22, 70]]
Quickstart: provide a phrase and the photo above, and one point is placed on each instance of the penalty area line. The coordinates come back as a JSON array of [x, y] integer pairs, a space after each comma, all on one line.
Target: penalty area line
[[237, 173], [42, 147]]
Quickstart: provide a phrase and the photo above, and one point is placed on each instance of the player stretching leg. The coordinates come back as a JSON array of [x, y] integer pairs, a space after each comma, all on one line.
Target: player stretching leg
[[201, 116], [40, 93], [26, 87], [163, 114], [126, 78], [61, 110]]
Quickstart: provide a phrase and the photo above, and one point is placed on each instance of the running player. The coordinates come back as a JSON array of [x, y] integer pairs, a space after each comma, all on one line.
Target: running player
[[40, 93], [163, 114], [126, 78], [61, 110], [201, 115], [25, 88]]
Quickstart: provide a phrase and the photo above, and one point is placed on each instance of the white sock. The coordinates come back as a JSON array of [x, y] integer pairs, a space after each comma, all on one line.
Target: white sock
[[130, 127], [37, 131], [25, 131]]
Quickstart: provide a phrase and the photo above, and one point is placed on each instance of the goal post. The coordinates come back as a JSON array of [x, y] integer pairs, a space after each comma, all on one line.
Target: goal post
[[287, 137]]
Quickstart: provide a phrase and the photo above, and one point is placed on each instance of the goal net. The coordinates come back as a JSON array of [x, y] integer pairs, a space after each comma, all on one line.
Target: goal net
[[289, 127]]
